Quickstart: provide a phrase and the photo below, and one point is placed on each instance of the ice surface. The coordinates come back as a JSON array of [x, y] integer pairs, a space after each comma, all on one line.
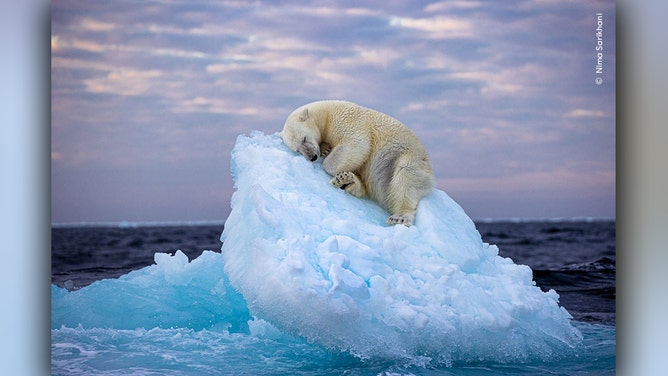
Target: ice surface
[[302, 258], [172, 293], [321, 264]]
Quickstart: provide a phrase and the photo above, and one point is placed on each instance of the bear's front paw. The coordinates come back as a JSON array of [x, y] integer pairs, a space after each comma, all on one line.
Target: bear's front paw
[[349, 182], [325, 149], [343, 179], [400, 220]]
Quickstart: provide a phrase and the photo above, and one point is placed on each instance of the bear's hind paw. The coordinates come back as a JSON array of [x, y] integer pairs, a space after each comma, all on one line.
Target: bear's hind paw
[[400, 219]]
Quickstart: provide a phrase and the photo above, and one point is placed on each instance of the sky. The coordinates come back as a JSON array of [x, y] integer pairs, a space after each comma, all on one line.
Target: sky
[[148, 98]]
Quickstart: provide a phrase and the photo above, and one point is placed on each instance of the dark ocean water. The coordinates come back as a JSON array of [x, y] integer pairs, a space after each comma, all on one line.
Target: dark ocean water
[[84, 254], [575, 258]]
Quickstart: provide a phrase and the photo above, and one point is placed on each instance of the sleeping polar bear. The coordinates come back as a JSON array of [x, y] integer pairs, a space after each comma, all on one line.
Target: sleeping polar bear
[[368, 153]]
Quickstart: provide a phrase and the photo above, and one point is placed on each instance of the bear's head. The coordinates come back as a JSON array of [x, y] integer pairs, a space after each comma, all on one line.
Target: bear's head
[[301, 134]]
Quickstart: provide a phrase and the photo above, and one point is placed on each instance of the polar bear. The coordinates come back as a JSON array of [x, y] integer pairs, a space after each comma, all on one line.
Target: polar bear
[[368, 153]]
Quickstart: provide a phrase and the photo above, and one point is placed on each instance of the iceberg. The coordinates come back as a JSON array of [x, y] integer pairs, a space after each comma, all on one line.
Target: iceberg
[[321, 264], [172, 293]]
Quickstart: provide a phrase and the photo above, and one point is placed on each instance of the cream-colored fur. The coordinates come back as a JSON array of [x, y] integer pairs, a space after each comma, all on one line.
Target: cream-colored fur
[[367, 152]]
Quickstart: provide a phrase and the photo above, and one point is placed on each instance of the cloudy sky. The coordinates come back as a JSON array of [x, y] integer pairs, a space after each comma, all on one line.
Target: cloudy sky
[[148, 98]]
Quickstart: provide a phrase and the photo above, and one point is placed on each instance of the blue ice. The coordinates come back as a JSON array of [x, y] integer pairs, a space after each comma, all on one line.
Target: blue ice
[[321, 264], [303, 259]]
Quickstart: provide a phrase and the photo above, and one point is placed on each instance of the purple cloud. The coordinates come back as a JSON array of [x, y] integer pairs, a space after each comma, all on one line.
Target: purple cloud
[[148, 95]]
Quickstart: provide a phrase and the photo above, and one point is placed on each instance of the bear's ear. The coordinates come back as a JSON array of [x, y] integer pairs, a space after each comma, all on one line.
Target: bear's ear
[[304, 115]]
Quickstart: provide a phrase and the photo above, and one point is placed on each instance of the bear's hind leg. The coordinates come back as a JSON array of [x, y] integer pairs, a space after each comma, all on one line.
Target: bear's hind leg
[[409, 184], [403, 203], [403, 207]]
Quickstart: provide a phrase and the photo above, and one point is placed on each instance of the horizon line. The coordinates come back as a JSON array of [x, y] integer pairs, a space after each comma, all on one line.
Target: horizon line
[[194, 223]]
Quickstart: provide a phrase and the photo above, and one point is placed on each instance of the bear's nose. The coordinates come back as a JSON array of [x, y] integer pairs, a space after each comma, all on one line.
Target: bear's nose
[[314, 158]]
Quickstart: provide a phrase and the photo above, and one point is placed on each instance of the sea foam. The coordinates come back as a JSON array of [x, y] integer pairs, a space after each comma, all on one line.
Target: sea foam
[[321, 264]]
